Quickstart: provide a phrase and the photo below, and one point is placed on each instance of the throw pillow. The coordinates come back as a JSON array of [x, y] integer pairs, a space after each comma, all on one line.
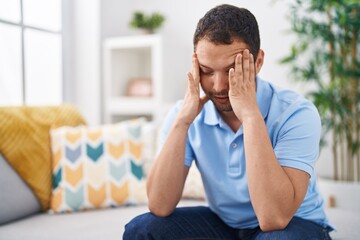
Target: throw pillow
[[95, 167], [16, 198], [25, 142], [194, 188]]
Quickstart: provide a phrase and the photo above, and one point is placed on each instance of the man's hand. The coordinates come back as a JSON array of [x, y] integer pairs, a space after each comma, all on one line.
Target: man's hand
[[192, 102], [242, 92]]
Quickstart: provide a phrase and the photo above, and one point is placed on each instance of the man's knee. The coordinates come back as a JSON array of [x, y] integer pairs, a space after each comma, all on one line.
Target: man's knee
[[298, 229], [138, 227], [281, 234]]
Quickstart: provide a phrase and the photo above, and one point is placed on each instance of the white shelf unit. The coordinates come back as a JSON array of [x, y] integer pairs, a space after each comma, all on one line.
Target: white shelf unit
[[126, 58]]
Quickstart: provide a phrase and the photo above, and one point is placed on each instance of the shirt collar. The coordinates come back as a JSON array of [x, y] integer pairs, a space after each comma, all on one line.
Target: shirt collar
[[263, 99]]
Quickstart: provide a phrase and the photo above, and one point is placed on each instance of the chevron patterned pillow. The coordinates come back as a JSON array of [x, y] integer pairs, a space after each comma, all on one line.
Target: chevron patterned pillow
[[96, 167]]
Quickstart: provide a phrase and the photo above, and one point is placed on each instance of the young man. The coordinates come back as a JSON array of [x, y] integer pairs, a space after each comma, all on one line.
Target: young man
[[254, 145]]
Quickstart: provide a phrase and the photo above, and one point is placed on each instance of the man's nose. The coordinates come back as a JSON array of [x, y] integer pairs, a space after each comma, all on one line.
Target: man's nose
[[221, 82]]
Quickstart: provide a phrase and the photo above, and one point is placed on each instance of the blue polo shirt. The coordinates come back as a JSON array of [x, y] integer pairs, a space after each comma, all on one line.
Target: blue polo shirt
[[294, 127]]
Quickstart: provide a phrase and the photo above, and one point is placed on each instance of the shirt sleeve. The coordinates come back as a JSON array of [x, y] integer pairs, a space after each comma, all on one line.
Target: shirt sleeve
[[298, 139], [168, 122]]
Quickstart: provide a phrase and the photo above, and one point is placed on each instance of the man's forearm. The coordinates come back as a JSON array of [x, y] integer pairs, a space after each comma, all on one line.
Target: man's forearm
[[271, 191], [166, 179]]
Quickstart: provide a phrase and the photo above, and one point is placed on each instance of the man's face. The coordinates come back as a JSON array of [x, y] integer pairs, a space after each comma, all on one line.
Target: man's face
[[215, 62]]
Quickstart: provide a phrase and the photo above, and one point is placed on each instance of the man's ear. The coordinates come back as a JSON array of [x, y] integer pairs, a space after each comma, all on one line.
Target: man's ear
[[259, 61]]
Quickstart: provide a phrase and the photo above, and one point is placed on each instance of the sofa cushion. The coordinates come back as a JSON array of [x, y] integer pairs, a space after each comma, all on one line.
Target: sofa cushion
[[16, 198], [107, 224], [194, 188], [95, 167], [25, 142]]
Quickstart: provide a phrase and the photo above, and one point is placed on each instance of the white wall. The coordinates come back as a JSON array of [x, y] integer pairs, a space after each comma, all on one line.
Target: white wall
[[181, 20], [86, 59]]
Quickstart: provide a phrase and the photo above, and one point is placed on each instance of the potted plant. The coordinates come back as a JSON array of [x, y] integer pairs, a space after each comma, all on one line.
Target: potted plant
[[327, 55], [148, 23]]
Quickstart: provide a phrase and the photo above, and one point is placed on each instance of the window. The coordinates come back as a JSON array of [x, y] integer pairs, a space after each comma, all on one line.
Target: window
[[30, 52]]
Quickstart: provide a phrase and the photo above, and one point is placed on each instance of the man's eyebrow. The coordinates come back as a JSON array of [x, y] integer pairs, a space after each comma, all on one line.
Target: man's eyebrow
[[204, 66], [232, 65]]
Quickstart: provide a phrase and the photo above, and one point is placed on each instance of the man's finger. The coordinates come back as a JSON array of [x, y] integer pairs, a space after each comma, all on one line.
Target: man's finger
[[232, 78], [195, 69], [252, 68], [238, 73], [191, 84], [246, 64]]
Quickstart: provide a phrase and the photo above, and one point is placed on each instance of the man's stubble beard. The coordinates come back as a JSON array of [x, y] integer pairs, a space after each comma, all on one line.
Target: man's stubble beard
[[220, 107], [223, 108]]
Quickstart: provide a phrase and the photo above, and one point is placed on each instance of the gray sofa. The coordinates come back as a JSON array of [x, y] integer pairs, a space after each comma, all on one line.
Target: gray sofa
[[20, 216]]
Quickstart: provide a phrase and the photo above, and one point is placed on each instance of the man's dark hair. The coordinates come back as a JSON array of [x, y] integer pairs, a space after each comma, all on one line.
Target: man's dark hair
[[225, 23]]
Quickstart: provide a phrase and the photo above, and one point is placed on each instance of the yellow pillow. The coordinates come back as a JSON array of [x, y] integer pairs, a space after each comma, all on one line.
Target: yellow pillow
[[25, 142]]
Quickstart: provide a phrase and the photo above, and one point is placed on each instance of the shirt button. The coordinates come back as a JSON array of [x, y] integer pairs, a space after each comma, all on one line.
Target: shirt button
[[234, 145]]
